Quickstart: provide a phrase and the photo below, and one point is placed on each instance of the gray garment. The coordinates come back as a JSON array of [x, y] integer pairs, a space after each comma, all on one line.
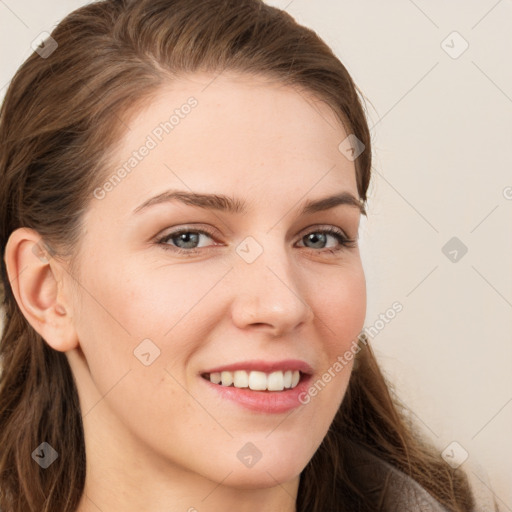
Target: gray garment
[[394, 491], [390, 488]]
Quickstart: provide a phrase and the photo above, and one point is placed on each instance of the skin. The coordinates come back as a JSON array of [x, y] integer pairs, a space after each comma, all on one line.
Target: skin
[[157, 438]]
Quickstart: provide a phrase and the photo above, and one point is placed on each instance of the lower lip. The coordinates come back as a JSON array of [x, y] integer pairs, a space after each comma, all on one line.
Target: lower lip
[[272, 402]]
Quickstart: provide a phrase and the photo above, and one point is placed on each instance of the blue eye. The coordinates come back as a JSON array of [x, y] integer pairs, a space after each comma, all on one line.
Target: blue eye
[[186, 237], [189, 238], [344, 241]]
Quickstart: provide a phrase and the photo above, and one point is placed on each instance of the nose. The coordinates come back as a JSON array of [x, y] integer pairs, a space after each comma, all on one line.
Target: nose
[[268, 294]]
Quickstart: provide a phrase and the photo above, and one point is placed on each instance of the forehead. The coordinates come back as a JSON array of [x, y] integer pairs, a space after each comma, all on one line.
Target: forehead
[[211, 133]]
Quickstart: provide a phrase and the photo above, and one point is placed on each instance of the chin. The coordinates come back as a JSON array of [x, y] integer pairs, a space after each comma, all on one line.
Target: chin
[[252, 479], [281, 467]]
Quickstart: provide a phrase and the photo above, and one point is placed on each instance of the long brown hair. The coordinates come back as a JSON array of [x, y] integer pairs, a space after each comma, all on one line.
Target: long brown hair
[[60, 117]]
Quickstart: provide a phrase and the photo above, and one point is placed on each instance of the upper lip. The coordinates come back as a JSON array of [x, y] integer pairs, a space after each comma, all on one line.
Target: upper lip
[[264, 366]]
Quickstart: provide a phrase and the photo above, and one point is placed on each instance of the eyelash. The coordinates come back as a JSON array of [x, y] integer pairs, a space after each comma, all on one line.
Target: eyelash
[[345, 243]]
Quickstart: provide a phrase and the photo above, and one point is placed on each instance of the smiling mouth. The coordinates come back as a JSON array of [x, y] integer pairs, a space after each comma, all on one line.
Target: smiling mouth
[[256, 380]]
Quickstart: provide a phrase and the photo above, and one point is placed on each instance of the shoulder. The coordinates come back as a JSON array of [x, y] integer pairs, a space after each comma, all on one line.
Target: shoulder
[[390, 488]]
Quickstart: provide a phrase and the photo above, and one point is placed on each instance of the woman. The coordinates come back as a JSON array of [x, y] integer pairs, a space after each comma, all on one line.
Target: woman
[[143, 372]]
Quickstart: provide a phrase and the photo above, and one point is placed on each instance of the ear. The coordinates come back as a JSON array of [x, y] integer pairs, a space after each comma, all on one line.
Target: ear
[[37, 284]]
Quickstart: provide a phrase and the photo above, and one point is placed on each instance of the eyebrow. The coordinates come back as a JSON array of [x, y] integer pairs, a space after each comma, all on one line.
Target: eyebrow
[[236, 206]]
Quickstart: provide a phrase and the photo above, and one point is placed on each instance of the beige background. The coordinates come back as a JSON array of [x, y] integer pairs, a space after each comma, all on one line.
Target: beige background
[[442, 132]]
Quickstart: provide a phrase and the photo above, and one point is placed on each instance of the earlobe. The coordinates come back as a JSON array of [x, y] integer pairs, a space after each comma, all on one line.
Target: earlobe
[[33, 275]]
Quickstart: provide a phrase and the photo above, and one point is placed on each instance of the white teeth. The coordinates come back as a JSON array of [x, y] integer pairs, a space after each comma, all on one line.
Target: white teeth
[[287, 379], [215, 378], [227, 378], [257, 381], [295, 378], [275, 381], [241, 379]]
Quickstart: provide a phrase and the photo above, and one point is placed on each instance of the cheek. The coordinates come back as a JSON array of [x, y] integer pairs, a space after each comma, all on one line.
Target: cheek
[[143, 302], [341, 306], [124, 306]]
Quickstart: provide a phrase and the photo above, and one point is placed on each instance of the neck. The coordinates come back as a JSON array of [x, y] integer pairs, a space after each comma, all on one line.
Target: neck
[[115, 488]]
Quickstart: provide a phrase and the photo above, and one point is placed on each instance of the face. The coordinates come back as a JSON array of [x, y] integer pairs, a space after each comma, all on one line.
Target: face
[[179, 297]]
